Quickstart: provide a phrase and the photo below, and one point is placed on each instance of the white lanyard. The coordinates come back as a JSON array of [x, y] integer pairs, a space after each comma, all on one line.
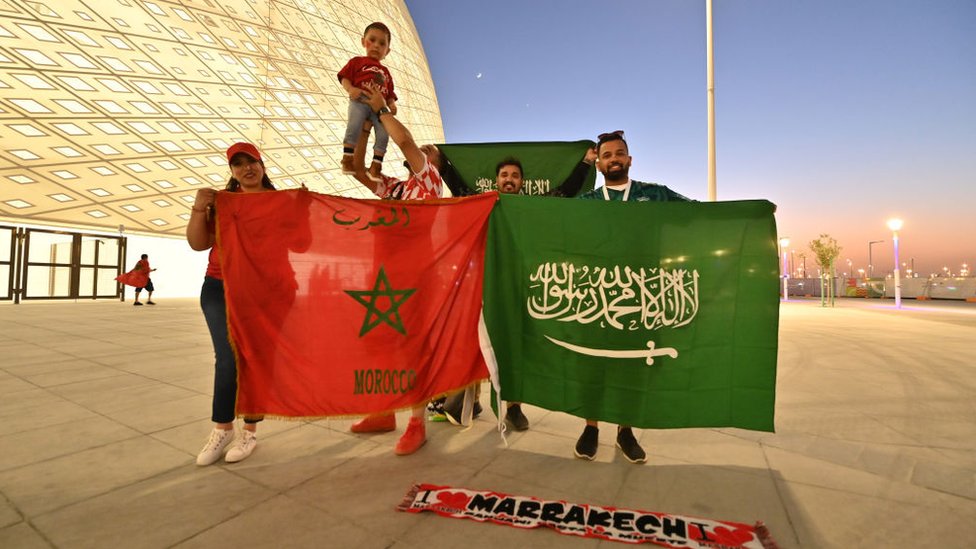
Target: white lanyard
[[606, 195]]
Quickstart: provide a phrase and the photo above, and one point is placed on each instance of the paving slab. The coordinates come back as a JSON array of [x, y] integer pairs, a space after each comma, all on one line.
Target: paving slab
[[105, 406]]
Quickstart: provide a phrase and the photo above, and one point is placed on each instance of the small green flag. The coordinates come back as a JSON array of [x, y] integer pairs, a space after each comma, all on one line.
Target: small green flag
[[545, 164], [650, 314]]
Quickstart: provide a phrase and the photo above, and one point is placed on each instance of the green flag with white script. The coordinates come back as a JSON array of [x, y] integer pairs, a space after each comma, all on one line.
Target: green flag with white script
[[650, 314], [545, 164]]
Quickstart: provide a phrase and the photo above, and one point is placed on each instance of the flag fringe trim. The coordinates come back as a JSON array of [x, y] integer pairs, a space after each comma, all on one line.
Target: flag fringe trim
[[387, 411], [407, 500]]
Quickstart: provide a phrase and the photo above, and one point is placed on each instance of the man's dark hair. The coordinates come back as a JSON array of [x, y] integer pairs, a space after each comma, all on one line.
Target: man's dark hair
[[509, 161], [440, 165], [145, 256], [382, 28], [612, 136]]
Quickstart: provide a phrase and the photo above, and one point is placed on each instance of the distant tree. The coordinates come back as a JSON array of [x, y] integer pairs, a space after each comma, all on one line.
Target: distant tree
[[826, 250]]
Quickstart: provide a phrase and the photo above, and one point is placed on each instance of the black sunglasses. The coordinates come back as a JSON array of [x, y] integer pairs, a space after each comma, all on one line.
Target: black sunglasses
[[614, 134]]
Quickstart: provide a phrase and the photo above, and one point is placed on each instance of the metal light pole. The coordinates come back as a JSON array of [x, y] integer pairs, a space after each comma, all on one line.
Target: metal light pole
[[783, 244], [895, 225], [870, 260], [710, 83]]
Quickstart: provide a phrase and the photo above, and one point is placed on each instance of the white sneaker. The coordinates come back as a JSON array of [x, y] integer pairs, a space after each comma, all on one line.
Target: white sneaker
[[214, 448], [245, 445]]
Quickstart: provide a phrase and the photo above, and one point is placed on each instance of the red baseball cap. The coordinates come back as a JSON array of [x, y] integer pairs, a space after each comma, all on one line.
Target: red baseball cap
[[245, 148]]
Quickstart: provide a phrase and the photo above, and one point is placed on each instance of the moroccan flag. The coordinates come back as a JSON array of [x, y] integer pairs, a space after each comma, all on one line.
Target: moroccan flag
[[545, 164], [340, 306], [651, 314]]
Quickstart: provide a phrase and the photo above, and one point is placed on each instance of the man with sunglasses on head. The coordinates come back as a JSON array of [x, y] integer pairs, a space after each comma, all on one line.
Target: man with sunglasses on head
[[613, 161]]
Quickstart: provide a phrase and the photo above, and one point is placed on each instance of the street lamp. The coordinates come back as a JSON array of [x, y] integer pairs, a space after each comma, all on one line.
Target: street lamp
[[783, 244], [870, 260], [895, 225]]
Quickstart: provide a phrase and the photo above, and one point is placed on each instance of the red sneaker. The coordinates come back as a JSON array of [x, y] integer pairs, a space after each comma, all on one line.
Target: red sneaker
[[413, 438], [374, 424]]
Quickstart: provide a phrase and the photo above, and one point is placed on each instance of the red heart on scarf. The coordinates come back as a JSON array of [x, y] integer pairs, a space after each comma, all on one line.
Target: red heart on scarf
[[733, 538], [454, 500]]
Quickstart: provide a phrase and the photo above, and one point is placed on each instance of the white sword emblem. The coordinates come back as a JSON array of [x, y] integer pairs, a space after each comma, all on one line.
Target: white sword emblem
[[649, 353]]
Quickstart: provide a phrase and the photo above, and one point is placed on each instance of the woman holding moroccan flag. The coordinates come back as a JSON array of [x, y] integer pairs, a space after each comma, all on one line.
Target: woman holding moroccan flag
[[248, 176]]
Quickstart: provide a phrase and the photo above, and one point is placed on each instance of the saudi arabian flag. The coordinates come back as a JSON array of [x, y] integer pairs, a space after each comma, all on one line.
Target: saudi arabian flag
[[545, 164], [650, 314]]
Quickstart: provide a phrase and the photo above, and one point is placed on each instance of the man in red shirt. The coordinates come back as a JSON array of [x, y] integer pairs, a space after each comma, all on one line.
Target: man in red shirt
[[424, 183]]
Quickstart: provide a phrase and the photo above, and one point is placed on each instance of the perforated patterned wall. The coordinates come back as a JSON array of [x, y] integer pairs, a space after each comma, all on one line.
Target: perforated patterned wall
[[114, 112]]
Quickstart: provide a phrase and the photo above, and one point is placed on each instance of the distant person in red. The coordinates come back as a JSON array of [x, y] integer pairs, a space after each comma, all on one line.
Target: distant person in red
[[364, 74], [138, 277]]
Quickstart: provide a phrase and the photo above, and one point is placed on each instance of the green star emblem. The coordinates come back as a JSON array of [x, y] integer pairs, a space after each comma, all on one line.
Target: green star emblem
[[373, 299]]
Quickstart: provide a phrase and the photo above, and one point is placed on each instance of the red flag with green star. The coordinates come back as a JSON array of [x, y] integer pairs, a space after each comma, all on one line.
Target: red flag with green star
[[340, 306]]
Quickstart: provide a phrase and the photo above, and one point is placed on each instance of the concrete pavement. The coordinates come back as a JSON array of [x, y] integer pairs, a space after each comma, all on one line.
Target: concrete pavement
[[105, 405]]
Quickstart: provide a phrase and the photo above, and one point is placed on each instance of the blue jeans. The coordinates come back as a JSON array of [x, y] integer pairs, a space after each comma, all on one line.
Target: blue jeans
[[359, 113], [225, 365]]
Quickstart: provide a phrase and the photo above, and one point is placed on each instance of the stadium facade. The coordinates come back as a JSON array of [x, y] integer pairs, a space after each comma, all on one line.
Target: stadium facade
[[114, 112]]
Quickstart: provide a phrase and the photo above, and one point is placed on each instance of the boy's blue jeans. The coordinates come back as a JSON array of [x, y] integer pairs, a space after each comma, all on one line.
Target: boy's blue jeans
[[359, 113]]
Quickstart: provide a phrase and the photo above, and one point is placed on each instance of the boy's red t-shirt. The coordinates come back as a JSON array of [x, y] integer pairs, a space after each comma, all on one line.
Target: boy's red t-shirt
[[367, 73]]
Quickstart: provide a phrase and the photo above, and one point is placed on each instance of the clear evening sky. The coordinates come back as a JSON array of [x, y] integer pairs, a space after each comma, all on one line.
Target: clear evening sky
[[842, 113]]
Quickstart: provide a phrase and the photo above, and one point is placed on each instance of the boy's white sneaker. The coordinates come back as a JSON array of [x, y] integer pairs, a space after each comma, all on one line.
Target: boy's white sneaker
[[214, 448], [245, 445]]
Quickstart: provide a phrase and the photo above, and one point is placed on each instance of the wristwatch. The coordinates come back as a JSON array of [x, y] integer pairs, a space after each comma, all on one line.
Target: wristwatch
[[382, 111]]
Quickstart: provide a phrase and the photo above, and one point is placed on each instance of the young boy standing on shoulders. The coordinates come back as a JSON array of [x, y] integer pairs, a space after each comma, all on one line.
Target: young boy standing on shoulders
[[367, 73]]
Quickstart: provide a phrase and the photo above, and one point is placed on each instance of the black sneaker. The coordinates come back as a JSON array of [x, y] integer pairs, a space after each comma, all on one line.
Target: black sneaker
[[587, 443], [137, 303], [435, 410], [516, 418], [629, 446], [453, 406], [151, 303]]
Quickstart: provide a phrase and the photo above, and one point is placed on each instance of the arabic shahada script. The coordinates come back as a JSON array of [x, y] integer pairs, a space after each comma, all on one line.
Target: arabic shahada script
[[624, 298]]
